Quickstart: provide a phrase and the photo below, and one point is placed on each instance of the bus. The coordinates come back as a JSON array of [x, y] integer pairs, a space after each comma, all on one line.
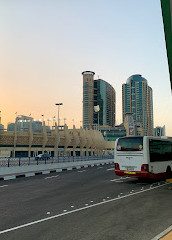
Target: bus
[[143, 157]]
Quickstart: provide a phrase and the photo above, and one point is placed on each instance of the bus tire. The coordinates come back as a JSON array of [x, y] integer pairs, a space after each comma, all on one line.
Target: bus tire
[[168, 173]]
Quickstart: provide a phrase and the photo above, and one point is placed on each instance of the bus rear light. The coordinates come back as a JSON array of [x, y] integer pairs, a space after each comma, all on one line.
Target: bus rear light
[[117, 166], [145, 167]]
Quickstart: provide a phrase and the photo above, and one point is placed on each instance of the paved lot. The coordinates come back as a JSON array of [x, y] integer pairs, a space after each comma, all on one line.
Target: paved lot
[[86, 204]]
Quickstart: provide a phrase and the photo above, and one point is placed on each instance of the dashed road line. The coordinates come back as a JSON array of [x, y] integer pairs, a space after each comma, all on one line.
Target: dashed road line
[[118, 179], [81, 171], [79, 209], [51, 177], [3, 186], [110, 169]]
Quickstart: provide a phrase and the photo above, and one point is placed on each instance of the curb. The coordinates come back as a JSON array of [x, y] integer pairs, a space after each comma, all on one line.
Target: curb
[[43, 172], [164, 235]]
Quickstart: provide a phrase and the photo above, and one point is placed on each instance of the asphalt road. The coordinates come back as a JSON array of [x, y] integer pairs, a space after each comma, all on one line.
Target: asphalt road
[[84, 204]]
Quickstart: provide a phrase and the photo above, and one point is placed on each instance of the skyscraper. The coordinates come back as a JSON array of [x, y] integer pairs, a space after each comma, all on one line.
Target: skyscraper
[[98, 93], [88, 97], [137, 99]]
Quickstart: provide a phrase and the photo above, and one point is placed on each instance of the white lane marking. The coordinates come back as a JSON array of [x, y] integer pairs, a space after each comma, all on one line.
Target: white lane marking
[[81, 171], [4, 186], [99, 167], [118, 179], [159, 236], [79, 209], [110, 169], [51, 177]]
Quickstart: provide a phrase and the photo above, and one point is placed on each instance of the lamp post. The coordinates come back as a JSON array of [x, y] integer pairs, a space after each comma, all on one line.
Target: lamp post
[[58, 104], [97, 109], [64, 121], [42, 118], [54, 119]]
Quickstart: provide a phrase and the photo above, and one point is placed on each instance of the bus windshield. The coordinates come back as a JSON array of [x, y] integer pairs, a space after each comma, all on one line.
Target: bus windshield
[[130, 144]]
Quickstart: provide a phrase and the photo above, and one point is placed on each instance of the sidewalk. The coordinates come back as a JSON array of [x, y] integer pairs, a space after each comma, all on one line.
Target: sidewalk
[[168, 236]]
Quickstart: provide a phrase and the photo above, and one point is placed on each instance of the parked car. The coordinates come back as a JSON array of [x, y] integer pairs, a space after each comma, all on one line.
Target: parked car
[[43, 156]]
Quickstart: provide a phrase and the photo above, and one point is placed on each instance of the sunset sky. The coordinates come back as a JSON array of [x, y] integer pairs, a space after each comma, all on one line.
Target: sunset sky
[[47, 44]]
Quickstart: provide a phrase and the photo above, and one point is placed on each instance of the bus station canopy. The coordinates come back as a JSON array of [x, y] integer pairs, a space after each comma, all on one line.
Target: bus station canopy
[[166, 6]]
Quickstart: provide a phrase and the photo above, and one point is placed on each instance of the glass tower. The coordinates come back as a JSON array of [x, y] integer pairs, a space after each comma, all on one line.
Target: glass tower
[[104, 96], [137, 99], [98, 92]]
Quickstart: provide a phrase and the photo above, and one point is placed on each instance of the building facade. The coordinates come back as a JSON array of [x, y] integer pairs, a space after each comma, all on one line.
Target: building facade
[[98, 93], [88, 97], [27, 142], [137, 99], [23, 125], [112, 133], [159, 131]]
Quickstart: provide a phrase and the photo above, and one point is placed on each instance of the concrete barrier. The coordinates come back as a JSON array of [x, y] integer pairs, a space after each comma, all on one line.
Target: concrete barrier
[[7, 173]]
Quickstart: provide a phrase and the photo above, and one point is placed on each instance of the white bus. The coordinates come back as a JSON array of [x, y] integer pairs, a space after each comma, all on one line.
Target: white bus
[[143, 157]]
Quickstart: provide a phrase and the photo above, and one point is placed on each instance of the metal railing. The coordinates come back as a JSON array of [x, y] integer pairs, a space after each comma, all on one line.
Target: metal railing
[[12, 162]]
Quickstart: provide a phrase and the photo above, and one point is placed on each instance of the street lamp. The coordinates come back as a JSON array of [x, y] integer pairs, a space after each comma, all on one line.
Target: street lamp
[[97, 109], [58, 104], [64, 121], [54, 119], [42, 118]]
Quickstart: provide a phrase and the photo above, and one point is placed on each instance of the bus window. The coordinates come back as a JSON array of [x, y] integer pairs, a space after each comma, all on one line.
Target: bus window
[[160, 150], [130, 144]]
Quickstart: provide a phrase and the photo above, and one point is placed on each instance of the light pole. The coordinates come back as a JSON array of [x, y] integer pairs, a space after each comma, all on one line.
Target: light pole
[[64, 121], [58, 104], [42, 118], [97, 109], [54, 119]]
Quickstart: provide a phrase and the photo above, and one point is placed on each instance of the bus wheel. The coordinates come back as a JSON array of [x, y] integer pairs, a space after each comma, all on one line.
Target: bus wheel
[[168, 173]]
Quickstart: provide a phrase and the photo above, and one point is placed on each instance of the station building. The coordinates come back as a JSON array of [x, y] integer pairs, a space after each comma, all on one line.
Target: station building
[[25, 141]]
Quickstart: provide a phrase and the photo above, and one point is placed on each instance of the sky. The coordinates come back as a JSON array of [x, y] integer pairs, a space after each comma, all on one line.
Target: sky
[[45, 45]]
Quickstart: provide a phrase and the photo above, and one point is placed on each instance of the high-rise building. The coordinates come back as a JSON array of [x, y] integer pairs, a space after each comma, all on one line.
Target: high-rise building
[[98, 93], [88, 97], [159, 131], [137, 99]]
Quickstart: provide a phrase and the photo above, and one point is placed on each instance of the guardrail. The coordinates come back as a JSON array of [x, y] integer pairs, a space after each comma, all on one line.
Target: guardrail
[[12, 162]]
